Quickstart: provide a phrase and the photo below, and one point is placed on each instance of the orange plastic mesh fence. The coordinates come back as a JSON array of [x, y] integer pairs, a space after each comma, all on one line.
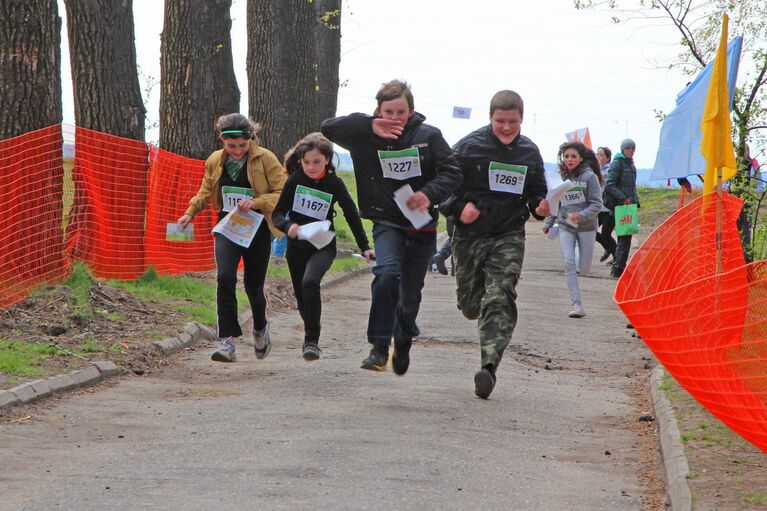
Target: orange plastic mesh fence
[[104, 200], [31, 231], [106, 222], [173, 180], [703, 311]]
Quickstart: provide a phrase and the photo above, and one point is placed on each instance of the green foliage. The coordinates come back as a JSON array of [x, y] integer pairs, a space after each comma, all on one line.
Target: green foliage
[[25, 359], [80, 282], [759, 498], [186, 294]]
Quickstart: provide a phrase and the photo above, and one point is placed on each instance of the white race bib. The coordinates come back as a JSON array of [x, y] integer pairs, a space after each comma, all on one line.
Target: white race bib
[[312, 203], [503, 177], [400, 165], [574, 195], [232, 195]]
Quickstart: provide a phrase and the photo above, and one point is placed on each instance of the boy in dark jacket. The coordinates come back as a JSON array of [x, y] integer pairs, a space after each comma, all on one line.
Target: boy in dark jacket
[[391, 149], [503, 182]]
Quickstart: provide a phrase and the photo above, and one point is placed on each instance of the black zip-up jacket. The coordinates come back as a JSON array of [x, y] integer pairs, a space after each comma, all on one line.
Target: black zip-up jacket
[[440, 174], [330, 183], [500, 212]]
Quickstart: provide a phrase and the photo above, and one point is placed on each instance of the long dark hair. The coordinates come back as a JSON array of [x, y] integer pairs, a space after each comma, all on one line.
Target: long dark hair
[[311, 141], [589, 160]]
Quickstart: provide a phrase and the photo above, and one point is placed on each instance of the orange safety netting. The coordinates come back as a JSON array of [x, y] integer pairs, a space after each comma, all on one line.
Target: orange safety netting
[[703, 311], [32, 200], [104, 200], [106, 222], [173, 180]]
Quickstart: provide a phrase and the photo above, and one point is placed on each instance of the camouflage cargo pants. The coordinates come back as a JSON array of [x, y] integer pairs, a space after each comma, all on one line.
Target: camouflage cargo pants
[[488, 271]]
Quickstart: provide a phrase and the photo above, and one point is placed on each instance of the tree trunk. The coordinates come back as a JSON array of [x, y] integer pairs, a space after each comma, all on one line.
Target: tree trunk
[[104, 74], [281, 78], [197, 75], [328, 50], [30, 66]]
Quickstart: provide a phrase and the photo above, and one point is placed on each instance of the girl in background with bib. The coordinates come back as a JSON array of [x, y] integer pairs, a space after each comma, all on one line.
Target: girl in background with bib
[[577, 215], [309, 195], [246, 176]]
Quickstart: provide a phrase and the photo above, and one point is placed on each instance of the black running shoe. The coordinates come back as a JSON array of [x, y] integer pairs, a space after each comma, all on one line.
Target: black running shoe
[[400, 357], [439, 261], [377, 359], [484, 381], [311, 351]]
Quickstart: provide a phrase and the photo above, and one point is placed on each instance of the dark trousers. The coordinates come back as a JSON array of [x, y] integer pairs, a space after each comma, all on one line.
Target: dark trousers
[[402, 258], [256, 261], [605, 236], [307, 266], [621, 255]]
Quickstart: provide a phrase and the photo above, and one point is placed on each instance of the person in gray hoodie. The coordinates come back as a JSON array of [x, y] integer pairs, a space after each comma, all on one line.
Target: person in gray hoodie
[[577, 216]]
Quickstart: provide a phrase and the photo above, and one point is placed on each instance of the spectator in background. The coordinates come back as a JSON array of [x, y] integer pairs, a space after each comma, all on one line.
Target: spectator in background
[[604, 219], [621, 188]]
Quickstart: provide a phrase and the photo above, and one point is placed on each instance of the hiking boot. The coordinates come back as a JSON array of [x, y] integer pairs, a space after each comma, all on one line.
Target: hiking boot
[[577, 311], [261, 342], [484, 381], [439, 262], [225, 351], [377, 359], [311, 351], [400, 357]]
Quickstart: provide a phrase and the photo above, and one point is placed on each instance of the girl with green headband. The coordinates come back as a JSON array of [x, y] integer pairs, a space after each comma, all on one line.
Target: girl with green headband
[[245, 176]]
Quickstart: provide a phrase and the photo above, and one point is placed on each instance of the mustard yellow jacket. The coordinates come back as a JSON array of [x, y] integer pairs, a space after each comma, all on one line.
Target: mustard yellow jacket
[[265, 174]]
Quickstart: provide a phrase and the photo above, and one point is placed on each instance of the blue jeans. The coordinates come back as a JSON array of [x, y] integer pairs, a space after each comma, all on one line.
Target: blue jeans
[[402, 258], [581, 243]]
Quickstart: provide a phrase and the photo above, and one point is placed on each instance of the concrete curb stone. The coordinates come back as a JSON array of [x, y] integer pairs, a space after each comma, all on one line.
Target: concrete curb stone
[[192, 333], [674, 459], [96, 372]]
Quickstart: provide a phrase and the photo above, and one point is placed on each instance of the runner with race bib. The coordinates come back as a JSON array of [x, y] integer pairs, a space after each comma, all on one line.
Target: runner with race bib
[[309, 195]]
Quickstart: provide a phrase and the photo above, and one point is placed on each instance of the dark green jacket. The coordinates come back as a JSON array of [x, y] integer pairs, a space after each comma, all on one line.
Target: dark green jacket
[[621, 182]]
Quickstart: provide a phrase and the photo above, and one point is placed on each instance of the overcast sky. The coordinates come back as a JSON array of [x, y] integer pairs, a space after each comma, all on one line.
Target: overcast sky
[[573, 68]]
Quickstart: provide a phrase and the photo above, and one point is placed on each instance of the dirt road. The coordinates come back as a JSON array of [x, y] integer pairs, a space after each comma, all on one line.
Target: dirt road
[[559, 432]]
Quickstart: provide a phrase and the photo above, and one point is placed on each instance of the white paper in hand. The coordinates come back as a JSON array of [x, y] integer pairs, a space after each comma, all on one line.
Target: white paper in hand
[[555, 193], [417, 218], [316, 233]]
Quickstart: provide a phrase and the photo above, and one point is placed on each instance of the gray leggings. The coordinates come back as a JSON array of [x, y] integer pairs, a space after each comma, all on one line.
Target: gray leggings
[[580, 257]]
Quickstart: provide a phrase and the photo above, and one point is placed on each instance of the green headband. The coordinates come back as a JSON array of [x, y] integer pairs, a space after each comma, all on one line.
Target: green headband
[[236, 132]]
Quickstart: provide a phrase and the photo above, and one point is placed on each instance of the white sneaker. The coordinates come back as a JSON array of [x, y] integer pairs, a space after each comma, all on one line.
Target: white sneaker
[[226, 351], [576, 311], [261, 342]]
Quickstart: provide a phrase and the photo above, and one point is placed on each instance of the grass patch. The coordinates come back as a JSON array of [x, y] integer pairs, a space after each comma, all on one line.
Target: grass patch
[[759, 498], [25, 359], [657, 204], [186, 294], [80, 282]]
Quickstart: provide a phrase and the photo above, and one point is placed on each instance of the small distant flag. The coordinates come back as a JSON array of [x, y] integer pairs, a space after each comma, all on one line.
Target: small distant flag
[[461, 112], [580, 135]]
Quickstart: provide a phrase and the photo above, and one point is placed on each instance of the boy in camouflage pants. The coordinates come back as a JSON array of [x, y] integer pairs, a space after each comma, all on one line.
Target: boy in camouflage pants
[[503, 183]]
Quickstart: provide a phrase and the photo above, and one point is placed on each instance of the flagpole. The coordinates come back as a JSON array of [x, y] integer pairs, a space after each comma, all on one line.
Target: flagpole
[[719, 220]]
